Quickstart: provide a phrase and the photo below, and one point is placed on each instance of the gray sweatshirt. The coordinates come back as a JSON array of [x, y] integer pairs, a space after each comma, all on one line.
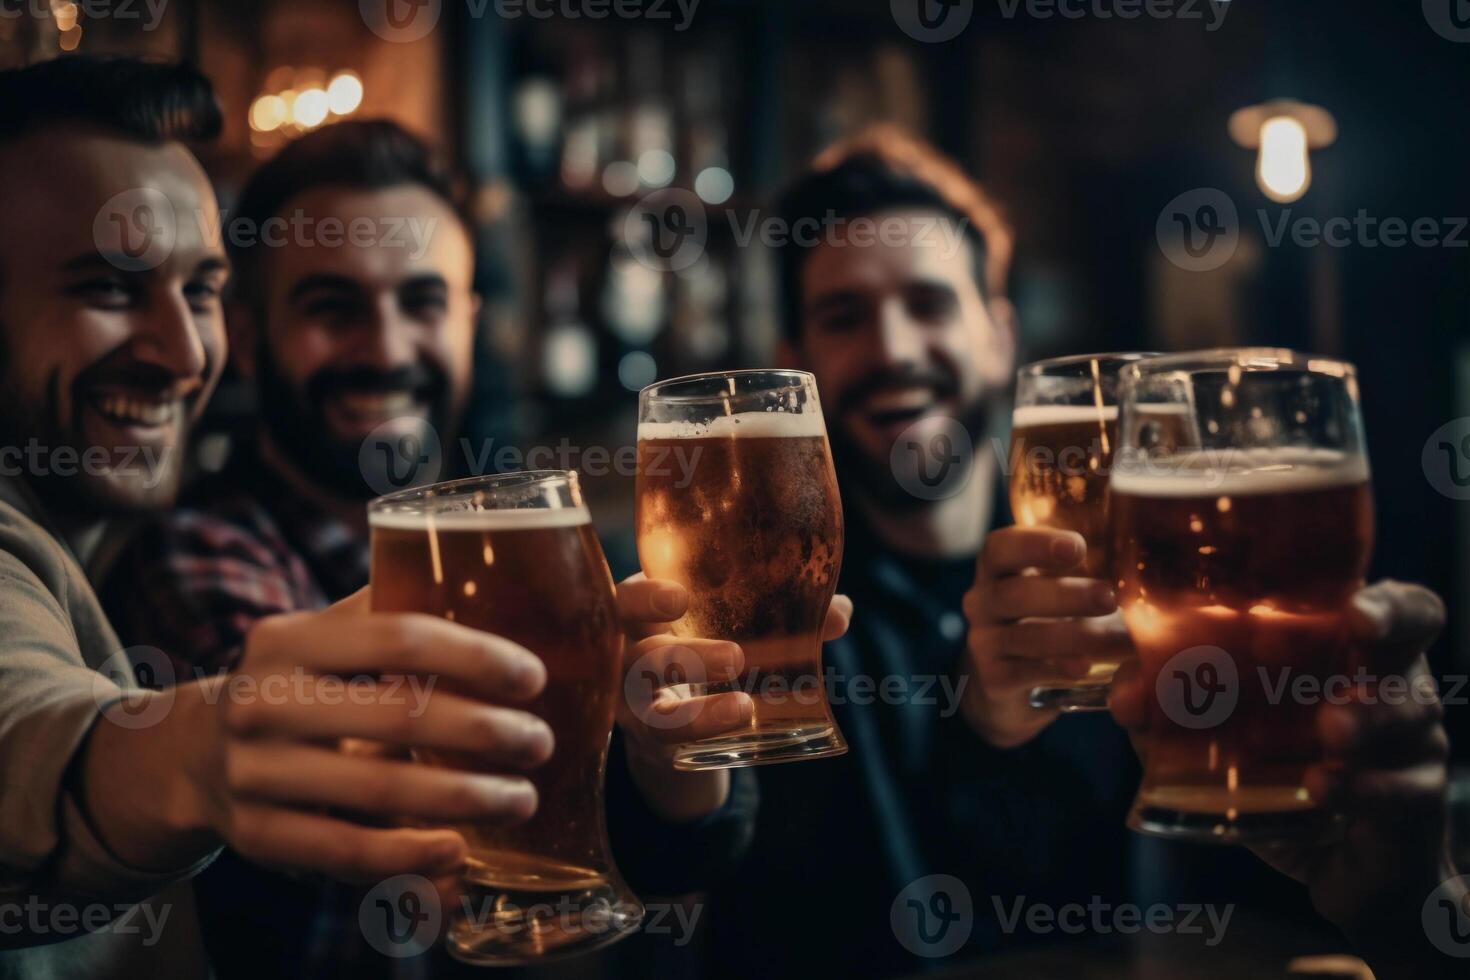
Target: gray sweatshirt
[[68, 907]]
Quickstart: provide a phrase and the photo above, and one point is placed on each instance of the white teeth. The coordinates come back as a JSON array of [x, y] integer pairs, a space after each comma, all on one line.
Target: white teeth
[[903, 400], [135, 412], [378, 403]]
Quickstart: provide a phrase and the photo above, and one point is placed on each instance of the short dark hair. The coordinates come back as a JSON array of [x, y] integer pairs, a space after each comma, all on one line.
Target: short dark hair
[[359, 154], [884, 169], [148, 100]]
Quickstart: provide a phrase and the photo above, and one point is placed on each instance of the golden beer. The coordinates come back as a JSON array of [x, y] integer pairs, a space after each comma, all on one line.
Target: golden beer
[[1063, 432], [1237, 566], [535, 575], [742, 509]]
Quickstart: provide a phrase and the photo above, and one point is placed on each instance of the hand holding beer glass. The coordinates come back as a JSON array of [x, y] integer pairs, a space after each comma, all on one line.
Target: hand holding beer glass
[[516, 555], [1063, 433], [1240, 535], [737, 502]]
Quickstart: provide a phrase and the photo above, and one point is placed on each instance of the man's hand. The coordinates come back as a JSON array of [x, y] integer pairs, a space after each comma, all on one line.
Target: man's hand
[[1384, 769], [1033, 618], [278, 780], [657, 714]]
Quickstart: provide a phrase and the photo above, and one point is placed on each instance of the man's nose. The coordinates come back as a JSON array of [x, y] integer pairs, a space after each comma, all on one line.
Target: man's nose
[[171, 339], [900, 339], [388, 338]]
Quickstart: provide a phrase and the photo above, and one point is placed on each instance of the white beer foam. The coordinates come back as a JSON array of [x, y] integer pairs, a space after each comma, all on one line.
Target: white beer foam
[[521, 519], [746, 425], [1029, 415], [1240, 472]]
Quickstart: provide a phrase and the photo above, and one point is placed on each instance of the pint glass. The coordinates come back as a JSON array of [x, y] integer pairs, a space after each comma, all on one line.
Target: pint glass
[[1063, 432], [1240, 539], [516, 555], [737, 501]]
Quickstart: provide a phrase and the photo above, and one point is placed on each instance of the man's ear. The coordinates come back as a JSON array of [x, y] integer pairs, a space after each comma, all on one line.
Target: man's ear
[[242, 328], [1005, 337]]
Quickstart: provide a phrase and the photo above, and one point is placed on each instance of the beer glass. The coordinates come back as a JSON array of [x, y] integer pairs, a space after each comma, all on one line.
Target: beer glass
[[1063, 430], [737, 501], [1240, 538], [516, 555]]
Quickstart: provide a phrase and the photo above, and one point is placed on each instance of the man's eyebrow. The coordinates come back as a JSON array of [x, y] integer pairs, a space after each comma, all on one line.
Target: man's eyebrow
[[427, 280], [99, 262], [838, 298], [214, 263], [321, 281]]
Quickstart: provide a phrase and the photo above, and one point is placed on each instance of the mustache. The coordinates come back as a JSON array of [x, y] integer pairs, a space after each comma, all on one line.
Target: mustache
[[125, 372], [414, 378], [945, 384]]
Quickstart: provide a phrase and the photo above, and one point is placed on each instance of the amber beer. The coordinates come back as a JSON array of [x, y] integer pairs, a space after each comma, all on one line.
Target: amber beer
[[535, 575], [1259, 561], [1063, 434], [743, 511], [1061, 457]]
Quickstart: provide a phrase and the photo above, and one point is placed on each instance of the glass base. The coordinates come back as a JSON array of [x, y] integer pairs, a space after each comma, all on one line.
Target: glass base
[[514, 927], [1088, 697], [760, 748], [1309, 826]]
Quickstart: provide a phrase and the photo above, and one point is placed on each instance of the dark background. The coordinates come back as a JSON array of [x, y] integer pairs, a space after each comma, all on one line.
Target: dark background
[[1083, 127]]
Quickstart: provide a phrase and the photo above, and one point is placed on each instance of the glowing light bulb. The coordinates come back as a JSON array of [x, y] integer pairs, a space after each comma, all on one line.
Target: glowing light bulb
[[1282, 167]]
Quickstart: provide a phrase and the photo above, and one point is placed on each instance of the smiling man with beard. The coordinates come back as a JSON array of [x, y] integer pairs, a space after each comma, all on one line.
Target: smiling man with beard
[[957, 799], [356, 343], [111, 797], [900, 311]]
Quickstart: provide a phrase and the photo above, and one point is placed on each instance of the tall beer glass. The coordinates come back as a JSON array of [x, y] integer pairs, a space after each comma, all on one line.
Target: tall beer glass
[[1240, 539], [737, 501], [1063, 431], [516, 555]]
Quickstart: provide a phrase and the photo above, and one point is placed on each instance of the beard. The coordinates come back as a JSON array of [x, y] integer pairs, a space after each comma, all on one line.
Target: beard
[[296, 420], [73, 477], [875, 478]]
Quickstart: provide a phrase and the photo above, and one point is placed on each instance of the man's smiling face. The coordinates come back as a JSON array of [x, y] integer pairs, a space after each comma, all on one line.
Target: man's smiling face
[[97, 355], [899, 338]]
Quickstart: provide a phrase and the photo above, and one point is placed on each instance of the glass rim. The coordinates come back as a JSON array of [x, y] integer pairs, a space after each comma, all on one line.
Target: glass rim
[[651, 391], [1249, 358], [455, 489], [1123, 358]]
